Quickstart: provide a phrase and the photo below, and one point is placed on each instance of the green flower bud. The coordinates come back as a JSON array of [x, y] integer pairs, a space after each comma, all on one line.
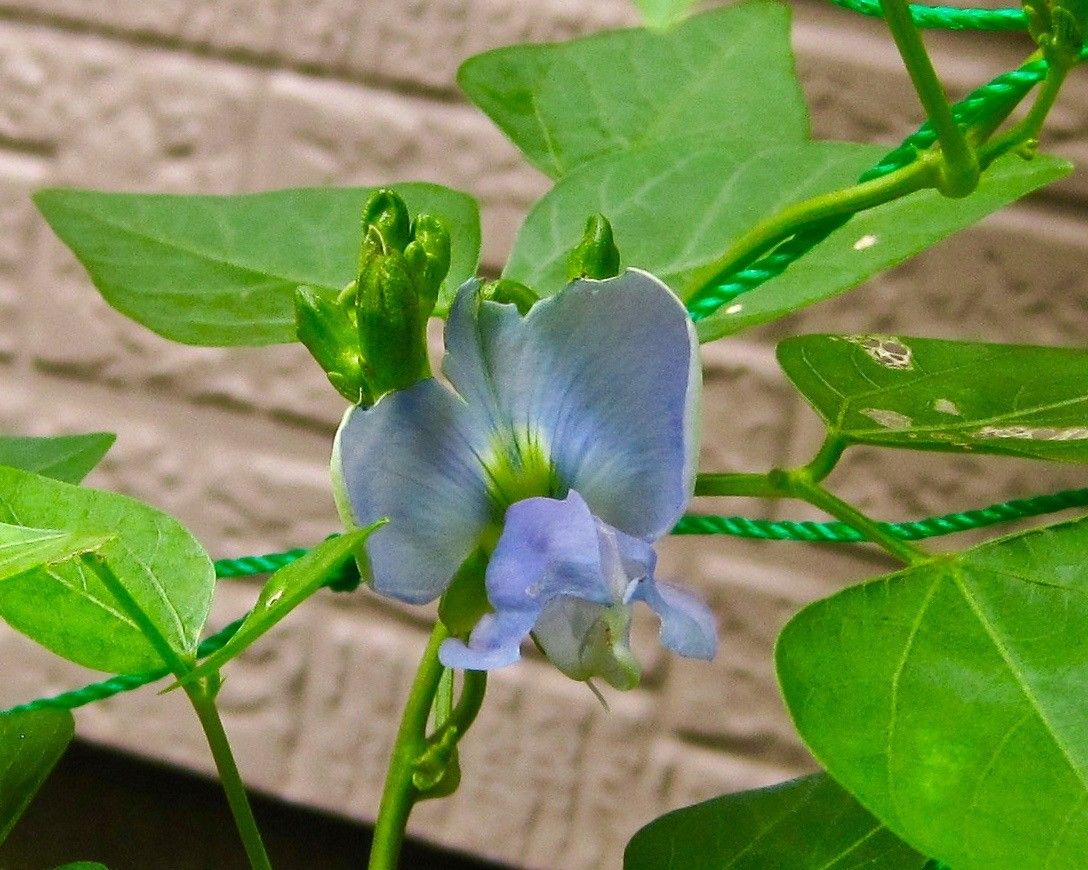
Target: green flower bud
[[325, 323], [428, 258], [392, 327], [386, 212], [505, 290], [596, 256], [1059, 27]]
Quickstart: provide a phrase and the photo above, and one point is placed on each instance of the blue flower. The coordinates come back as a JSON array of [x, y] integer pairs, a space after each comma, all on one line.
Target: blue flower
[[567, 450]]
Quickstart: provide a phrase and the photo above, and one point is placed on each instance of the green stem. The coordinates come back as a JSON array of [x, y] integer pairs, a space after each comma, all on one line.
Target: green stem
[[203, 700], [202, 696], [400, 795], [1030, 128], [800, 484], [764, 236], [468, 705], [960, 167], [987, 125], [736, 484], [824, 462]]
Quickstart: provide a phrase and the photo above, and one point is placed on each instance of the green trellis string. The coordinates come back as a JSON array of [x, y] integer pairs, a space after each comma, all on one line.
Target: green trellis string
[[691, 524], [947, 17], [992, 98]]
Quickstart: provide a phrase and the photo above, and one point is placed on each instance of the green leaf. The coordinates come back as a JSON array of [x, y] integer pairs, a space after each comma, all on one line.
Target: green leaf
[[23, 549], [222, 270], [718, 76], [284, 591], [949, 699], [31, 743], [878, 239], [810, 823], [955, 396], [67, 609], [65, 457], [677, 206], [663, 13]]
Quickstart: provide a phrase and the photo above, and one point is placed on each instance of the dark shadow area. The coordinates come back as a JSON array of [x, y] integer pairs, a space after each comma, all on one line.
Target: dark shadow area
[[131, 814]]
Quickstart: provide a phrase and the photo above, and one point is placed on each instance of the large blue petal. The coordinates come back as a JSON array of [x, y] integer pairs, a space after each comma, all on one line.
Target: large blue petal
[[413, 457], [604, 375], [688, 626]]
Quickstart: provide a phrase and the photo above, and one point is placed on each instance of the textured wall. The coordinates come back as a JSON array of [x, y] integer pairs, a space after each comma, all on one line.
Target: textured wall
[[198, 95]]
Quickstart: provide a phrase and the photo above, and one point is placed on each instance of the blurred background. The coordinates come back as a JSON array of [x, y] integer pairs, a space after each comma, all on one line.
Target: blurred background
[[241, 95]]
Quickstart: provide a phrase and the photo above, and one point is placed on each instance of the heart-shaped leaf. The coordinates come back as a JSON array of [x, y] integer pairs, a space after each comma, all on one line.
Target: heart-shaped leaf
[[954, 396], [948, 698], [64, 457], [810, 823], [222, 270], [67, 608], [285, 590], [712, 78], [677, 206], [31, 743], [876, 240]]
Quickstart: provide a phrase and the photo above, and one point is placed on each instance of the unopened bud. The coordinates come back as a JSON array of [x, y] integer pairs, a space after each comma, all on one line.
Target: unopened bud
[[428, 259], [325, 323], [514, 292], [386, 213], [392, 329], [596, 256]]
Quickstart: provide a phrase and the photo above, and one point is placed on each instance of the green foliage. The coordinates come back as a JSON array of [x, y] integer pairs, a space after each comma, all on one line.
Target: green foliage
[[945, 395], [663, 13], [804, 824], [878, 239], [714, 78], [68, 458], [222, 270], [31, 743], [650, 193], [285, 590], [948, 698], [65, 606], [23, 549]]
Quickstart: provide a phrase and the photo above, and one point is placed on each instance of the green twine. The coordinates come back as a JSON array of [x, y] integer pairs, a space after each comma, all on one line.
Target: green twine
[[345, 580], [914, 530], [690, 524], [947, 17], [124, 682], [992, 98]]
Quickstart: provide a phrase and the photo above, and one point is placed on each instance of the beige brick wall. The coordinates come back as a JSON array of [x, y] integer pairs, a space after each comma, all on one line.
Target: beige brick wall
[[198, 95]]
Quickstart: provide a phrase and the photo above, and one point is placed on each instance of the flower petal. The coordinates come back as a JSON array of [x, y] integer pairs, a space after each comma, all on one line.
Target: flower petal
[[495, 642], [688, 626], [586, 640], [548, 548], [605, 376], [412, 457]]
